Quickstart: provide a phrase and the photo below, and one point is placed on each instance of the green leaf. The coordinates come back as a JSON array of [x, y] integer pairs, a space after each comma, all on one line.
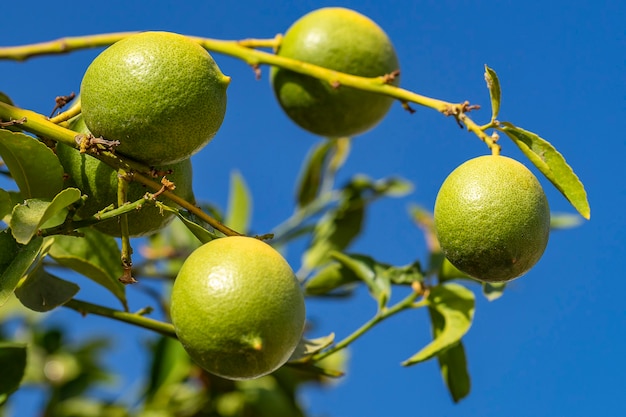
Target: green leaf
[[309, 347], [552, 164], [170, 366], [204, 235], [239, 204], [93, 255], [18, 267], [13, 365], [368, 271], [6, 204], [34, 167], [493, 290], [424, 220], [33, 214], [43, 292], [8, 249], [455, 303], [493, 84], [310, 180], [452, 361], [329, 278], [560, 221]]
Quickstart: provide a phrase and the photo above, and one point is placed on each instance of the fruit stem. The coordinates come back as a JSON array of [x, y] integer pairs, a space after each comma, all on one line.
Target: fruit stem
[[127, 249], [244, 50], [383, 313], [84, 308]]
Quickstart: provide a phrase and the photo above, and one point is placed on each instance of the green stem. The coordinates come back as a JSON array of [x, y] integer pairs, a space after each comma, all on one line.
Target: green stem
[[127, 250], [382, 314], [85, 308]]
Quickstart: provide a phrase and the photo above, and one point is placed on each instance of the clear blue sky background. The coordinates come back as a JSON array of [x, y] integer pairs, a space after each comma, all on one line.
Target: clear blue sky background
[[554, 344]]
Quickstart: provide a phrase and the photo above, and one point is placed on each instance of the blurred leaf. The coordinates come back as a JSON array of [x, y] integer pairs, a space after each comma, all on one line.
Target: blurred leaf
[[239, 204], [455, 304], [368, 271], [424, 220], [13, 365], [5, 99], [170, 366], [43, 292], [6, 205], [94, 255], [560, 221], [18, 267], [29, 217], [452, 361], [311, 178], [493, 84], [308, 347], [341, 150], [329, 278], [493, 290], [552, 164], [34, 167]]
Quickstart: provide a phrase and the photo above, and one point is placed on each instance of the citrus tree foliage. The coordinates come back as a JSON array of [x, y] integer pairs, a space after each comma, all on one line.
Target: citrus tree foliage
[[44, 245]]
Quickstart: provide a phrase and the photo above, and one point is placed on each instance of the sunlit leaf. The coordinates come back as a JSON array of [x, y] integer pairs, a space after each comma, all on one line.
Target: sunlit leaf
[[493, 290], [308, 347], [493, 84], [239, 209], [329, 278], [18, 267], [42, 291], [93, 255], [560, 221], [455, 304], [6, 205], [34, 167], [311, 178], [367, 270], [552, 164], [29, 217], [424, 220], [452, 361], [13, 365]]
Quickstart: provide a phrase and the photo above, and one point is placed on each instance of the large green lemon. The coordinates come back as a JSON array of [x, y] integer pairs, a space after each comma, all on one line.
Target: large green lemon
[[160, 94], [343, 40], [492, 218], [237, 308]]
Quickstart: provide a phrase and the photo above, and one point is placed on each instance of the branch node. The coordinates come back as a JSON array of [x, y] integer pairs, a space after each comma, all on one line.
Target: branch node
[[61, 101]]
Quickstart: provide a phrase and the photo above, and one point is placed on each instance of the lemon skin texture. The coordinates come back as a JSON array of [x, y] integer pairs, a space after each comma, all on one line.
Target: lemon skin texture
[[343, 40], [99, 182], [492, 218], [160, 94], [237, 308]]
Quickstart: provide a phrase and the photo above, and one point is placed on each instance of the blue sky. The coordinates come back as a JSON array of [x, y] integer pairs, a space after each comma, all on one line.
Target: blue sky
[[553, 345]]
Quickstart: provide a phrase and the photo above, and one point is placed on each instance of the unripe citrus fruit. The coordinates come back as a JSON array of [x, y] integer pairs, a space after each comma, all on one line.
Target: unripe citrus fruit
[[99, 182], [492, 218], [237, 308], [160, 94], [343, 40]]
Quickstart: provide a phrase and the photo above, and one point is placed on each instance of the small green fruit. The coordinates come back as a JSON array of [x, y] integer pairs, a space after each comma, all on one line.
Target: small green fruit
[[492, 218]]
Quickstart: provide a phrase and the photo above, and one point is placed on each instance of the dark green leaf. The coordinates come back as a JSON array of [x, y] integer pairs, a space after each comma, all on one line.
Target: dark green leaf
[[43, 292], [94, 255], [5, 99], [552, 164], [33, 214], [493, 84], [493, 290], [368, 271], [13, 365], [329, 278], [204, 235], [8, 249], [170, 366], [18, 267], [311, 178], [452, 361], [34, 167], [6, 205], [455, 304], [308, 347], [239, 204]]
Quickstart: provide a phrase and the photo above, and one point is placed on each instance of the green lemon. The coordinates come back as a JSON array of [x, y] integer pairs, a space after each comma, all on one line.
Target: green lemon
[[343, 40], [160, 94], [492, 218], [237, 308], [99, 182]]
